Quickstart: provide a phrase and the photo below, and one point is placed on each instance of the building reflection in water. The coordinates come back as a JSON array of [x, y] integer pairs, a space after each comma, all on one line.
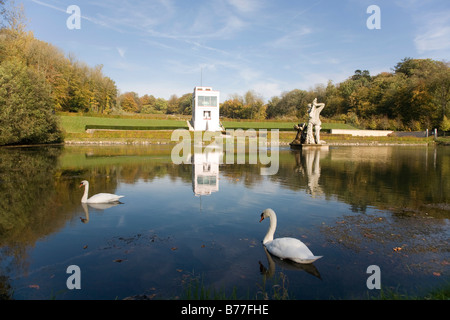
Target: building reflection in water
[[205, 171]]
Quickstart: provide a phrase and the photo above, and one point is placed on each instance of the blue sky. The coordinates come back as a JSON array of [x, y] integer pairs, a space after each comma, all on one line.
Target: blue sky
[[159, 47]]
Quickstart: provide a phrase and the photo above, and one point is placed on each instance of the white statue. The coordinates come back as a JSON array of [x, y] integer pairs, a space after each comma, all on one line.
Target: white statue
[[305, 133], [314, 110]]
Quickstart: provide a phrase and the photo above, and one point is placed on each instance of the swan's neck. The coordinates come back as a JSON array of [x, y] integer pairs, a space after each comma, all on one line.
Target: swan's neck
[[85, 195], [272, 228]]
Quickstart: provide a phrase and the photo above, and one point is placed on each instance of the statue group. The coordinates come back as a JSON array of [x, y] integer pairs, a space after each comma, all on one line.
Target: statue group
[[309, 133]]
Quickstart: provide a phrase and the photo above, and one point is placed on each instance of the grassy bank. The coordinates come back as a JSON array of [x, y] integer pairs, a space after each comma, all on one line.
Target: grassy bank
[[148, 129], [74, 123], [282, 126], [77, 123], [444, 141]]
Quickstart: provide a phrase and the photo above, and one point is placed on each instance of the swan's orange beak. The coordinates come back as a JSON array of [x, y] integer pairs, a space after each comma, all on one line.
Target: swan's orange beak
[[80, 185], [262, 218]]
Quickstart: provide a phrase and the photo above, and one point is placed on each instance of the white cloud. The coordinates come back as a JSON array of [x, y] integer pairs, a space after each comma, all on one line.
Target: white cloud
[[246, 6], [121, 51], [433, 40], [268, 89], [431, 26], [433, 33], [291, 39]]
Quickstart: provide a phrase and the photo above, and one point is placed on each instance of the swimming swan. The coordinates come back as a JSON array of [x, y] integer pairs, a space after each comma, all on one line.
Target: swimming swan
[[285, 248], [98, 198]]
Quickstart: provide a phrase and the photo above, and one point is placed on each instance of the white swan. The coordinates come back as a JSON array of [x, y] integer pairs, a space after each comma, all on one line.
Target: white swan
[[98, 198], [285, 248]]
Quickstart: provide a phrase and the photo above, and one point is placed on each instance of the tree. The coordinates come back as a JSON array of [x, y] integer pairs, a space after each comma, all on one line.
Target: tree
[[74, 86], [161, 105], [232, 108], [272, 107], [440, 87], [26, 106], [254, 106], [361, 75], [406, 66], [148, 104], [13, 16], [332, 100], [129, 102], [185, 104], [425, 94], [172, 104], [445, 124], [294, 103]]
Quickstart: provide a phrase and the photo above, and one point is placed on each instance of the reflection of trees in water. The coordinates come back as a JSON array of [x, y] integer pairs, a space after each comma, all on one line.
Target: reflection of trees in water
[[399, 178], [29, 201], [385, 177], [28, 191], [371, 176], [359, 176]]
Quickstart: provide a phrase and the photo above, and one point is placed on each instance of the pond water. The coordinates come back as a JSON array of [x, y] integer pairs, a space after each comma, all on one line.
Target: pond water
[[187, 227]]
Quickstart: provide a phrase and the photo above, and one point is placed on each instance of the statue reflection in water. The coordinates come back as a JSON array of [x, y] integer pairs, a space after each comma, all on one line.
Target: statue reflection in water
[[307, 163]]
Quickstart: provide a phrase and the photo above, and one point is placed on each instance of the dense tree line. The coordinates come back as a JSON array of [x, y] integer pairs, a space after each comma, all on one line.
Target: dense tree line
[[130, 102], [26, 104], [74, 86], [414, 96], [37, 79]]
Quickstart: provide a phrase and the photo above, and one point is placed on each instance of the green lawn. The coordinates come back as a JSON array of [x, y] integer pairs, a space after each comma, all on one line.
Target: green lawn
[[284, 126], [161, 129], [78, 123]]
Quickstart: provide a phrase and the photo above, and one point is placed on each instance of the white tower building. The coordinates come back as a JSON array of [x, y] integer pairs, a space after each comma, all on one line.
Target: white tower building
[[205, 110]]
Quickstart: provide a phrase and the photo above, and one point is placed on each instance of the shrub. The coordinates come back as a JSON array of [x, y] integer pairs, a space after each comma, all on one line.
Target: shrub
[[26, 107]]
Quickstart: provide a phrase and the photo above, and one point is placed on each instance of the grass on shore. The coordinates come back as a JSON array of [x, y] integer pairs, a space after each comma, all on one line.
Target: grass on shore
[[445, 141], [77, 123], [74, 126]]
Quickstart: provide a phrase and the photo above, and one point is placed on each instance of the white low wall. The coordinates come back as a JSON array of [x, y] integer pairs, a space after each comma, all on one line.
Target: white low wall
[[362, 133]]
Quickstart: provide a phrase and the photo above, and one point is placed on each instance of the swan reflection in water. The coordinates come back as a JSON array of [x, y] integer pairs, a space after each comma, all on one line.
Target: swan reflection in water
[[97, 206], [285, 264]]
